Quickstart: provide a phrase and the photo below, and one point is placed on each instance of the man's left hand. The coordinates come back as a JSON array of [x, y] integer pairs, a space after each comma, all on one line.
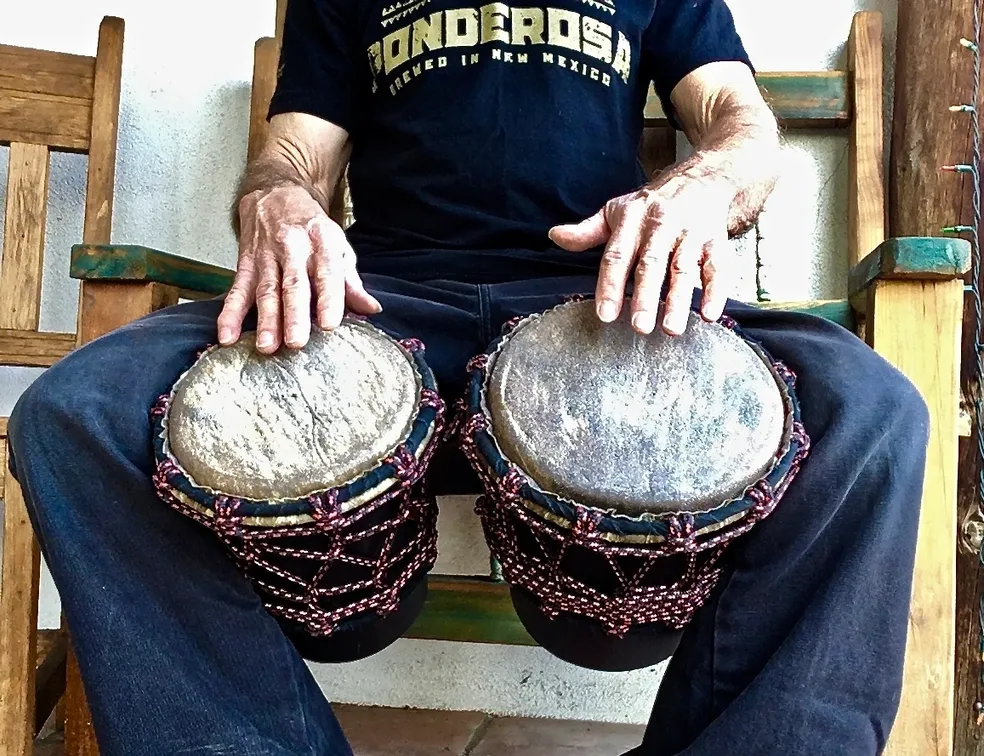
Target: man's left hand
[[676, 228]]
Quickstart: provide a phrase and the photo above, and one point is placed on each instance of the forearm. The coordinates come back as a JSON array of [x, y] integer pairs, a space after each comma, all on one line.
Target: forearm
[[293, 157], [737, 150]]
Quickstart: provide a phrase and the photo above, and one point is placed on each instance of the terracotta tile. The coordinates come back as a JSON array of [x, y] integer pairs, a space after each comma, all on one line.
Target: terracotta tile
[[377, 731], [545, 737]]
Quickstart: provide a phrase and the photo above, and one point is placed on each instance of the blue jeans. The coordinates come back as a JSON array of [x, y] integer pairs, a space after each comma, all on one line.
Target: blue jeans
[[799, 651]]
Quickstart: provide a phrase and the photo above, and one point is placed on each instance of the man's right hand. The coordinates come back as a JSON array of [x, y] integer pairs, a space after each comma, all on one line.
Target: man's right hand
[[290, 252]]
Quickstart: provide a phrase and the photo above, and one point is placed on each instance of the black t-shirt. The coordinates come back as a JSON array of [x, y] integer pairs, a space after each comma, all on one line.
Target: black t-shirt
[[477, 127]]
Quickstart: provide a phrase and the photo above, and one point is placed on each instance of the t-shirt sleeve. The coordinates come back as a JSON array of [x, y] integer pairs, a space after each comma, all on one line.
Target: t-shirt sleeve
[[319, 69], [685, 35]]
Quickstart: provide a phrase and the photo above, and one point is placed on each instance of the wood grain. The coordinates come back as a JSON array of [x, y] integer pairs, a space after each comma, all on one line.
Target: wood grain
[[107, 305], [265, 58], [23, 241], [23, 69], [104, 128], [932, 72], [916, 327], [57, 121], [281, 14], [34, 348], [867, 214], [80, 737], [3, 458], [18, 624]]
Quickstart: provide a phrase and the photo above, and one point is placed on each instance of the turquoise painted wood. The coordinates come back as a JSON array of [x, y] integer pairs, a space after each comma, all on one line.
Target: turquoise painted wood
[[470, 610], [921, 258], [126, 262], [799, 100]]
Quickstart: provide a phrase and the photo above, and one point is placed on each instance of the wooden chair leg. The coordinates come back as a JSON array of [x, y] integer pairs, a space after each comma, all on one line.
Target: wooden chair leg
[[916, 326], [104, 306], [80, 737], [18, 623]]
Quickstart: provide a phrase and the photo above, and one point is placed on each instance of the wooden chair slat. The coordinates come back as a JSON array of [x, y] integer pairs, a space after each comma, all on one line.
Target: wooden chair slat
[[264, 83], [867, 211], [103, 136], [23, 241], [60, 122], [33, 348], [46, 72]]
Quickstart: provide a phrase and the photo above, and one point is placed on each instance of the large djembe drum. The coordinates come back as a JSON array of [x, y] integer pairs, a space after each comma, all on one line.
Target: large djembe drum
[[618, 468], [308, 465]]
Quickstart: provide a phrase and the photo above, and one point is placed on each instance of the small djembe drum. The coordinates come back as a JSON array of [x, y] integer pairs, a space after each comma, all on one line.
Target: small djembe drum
[[617, 468], [308, 465]]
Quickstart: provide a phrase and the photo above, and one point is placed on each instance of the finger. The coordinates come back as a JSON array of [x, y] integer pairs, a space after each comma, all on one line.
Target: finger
[[241, 295], [237, 303], [296, 290], [580, 237], [620, 254], [684, 277], [650, 272], [356, 297], [329, 276], [715, 290], [268, 305]]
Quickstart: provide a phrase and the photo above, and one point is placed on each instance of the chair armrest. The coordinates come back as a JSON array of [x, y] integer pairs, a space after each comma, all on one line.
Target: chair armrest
[[913, 258], [127, 262]]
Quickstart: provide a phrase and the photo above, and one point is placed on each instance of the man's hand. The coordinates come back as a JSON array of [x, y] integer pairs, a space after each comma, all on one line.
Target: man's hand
[[290, 252], [679, 224], [677, 229]]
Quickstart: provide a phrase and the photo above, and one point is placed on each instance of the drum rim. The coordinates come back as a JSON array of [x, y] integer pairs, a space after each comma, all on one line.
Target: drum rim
[[648, 527], [424, 430]]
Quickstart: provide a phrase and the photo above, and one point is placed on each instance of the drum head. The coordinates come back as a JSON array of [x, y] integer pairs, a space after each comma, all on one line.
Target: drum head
[[605, 417], [284, 426]]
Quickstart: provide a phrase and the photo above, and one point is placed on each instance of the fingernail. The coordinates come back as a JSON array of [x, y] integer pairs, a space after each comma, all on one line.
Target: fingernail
[[264, 340], [225, 336], [607, 311], [644, 322]]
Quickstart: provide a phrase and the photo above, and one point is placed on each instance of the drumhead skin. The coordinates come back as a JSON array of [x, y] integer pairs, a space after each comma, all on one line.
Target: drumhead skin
[[599, 414], [283, 426]]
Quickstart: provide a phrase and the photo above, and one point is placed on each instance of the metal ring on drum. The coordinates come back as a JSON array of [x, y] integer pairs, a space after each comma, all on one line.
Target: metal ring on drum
[[618, 467], [308, 465]]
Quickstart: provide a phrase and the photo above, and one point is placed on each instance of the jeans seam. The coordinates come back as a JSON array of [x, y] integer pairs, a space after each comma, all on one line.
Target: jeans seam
[[484, 314]]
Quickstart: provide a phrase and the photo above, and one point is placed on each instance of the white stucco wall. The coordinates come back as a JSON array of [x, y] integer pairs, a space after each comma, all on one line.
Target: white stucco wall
[[183, 128]]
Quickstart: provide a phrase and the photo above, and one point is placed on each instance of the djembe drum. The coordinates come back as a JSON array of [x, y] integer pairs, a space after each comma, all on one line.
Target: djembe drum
[[308, 465], [617, 468]]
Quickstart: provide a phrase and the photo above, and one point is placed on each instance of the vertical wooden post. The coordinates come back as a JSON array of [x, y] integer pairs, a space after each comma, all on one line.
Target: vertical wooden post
[[932, 73], [866, 188], [80, 738]]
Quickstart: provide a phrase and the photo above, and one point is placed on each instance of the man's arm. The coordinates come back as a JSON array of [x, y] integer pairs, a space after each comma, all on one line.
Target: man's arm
[[678, 224], [735, 135], [290, 251], [300, 151]]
